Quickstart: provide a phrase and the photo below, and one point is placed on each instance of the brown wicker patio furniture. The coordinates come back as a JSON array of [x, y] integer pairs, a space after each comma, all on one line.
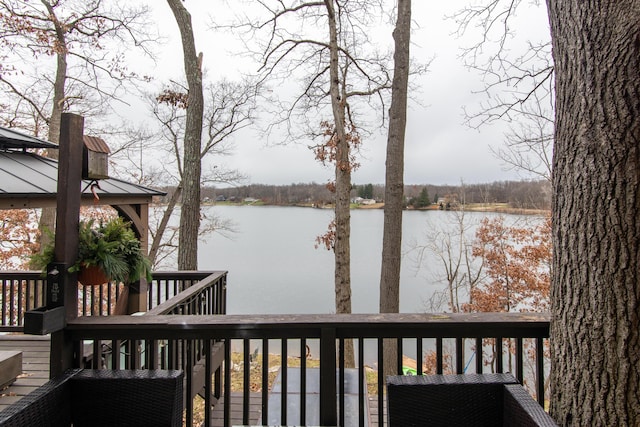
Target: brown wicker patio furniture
[[88, 397], [462, 400]]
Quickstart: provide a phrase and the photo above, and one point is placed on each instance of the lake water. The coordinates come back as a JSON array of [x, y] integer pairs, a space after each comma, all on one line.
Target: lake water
[[275, 269]]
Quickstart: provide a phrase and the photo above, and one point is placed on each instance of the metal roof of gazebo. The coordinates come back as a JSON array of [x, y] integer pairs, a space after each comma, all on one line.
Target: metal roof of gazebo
[[13, 139], [30, 180]]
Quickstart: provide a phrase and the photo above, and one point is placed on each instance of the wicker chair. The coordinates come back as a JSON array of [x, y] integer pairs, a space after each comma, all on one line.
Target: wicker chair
[[102, 398], [462, 400]]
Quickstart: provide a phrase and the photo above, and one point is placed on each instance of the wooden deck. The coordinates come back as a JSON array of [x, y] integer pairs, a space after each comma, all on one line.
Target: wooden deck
[[35, 365], [35, 368]]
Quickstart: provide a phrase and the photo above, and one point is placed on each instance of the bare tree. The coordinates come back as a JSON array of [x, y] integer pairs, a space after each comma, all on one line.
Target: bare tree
[[190, 212], [594, 334], [88, 41], [343, 167], [86, 75], [451, 242], [325, 45], [394, 177], [228, 108]]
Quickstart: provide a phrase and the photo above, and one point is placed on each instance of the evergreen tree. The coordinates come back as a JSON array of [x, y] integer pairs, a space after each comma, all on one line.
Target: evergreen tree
[[366, 191], [423, 199]]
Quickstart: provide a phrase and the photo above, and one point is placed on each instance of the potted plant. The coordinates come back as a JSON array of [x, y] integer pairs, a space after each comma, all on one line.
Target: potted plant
[[110, 247]]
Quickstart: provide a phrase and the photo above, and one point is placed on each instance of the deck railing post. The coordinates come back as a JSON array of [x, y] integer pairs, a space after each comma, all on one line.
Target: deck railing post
[[66, 244], [328, 404]]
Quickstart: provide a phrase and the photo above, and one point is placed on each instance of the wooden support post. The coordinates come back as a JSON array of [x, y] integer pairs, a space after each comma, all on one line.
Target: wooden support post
[[66, 244], [328, 391], [138, 297]]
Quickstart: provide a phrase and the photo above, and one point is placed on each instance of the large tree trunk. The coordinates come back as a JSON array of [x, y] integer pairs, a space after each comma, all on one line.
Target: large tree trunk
[[342, 250], [595, 332], [190, 212], [394, 179]]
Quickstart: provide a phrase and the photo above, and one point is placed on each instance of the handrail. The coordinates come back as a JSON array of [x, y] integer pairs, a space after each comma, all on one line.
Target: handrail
[[393, 325], [21, 274], [168, 284], [330, 331], [206, 297], [21, 291], [214, 279]]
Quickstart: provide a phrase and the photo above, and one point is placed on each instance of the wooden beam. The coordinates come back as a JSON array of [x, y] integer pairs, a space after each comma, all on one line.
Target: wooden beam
[[68, 206], [138, 214], [66, 244], [86, 200]]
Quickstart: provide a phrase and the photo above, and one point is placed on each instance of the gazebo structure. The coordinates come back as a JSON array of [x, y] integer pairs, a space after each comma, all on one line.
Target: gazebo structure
[[30, 180]]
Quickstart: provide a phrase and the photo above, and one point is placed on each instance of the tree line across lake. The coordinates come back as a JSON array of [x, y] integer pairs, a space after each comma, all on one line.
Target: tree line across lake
[[517, 194]]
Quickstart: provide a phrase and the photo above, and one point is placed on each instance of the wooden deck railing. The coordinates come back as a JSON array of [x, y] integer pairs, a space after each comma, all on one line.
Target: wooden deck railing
[[451, 338], [191, 293], [22, 291], [188, 293], [186, 329]]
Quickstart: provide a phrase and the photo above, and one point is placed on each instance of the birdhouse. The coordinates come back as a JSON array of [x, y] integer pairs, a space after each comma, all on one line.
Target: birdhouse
[[95, 158]]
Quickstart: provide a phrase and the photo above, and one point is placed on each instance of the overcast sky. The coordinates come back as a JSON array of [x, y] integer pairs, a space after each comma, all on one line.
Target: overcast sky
[[439, 148]]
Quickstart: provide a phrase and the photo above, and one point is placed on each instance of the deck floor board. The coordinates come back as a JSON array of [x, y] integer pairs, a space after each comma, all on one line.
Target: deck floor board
[[35, 365]]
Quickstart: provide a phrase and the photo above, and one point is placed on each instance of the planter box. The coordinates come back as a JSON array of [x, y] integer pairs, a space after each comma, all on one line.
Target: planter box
[[43, 321], [469, 400]]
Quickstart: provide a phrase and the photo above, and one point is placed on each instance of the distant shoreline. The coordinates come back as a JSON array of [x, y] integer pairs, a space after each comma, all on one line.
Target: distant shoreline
[[503, 208]]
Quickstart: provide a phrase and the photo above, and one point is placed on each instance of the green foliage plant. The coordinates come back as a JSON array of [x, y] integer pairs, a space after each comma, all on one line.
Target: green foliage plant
[[110, 245]]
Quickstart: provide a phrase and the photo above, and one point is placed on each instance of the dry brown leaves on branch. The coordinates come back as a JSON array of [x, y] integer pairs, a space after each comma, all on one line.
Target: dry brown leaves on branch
[[327, 152], [174, 98], [327, 239]]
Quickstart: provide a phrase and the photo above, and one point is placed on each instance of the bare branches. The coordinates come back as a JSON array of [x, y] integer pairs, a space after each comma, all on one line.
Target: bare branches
[[230, 108], [290, 40], [30, 100], [518, 87], [492, 18], [528, 146], [449, 245], [88, 41], [492, 54]]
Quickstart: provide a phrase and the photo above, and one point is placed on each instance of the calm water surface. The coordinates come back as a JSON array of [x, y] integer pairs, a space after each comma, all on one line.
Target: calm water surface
[[275, 269]]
